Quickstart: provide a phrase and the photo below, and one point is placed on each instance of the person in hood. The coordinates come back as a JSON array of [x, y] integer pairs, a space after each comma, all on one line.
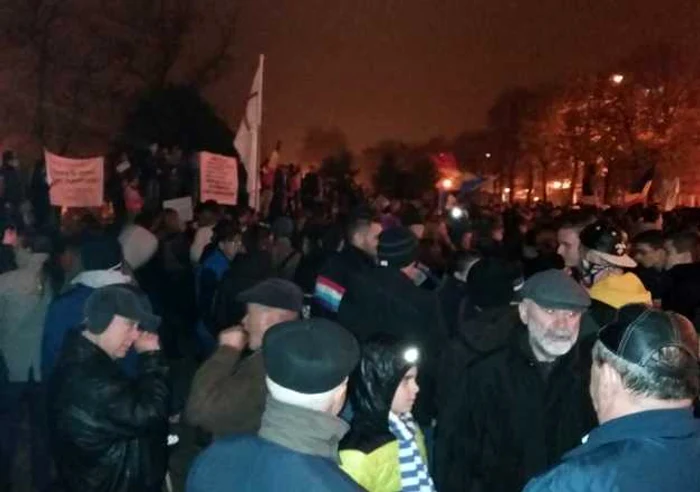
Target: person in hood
[[683, 276], [101, 262], [603, 252], [385, 450]]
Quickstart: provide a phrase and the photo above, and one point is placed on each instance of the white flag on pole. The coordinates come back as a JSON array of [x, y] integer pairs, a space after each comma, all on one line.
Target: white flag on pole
[[247, 139]]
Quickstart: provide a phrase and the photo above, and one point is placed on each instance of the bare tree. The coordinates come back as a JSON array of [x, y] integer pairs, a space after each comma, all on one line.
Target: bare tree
[[83, 62]]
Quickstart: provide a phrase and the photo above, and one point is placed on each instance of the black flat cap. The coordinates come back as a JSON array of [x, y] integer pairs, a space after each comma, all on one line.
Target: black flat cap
[[275, 293], [640, 332], [309, 356], [554, 289], [118, 300]]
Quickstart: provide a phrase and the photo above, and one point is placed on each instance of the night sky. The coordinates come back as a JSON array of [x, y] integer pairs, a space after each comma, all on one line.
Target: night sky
[[414, 69]]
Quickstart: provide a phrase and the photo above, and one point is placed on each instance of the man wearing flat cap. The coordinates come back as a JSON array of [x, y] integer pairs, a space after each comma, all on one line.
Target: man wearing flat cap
[[644, 379], [296, 449], [525, 404], [109, 432], [228, 391]]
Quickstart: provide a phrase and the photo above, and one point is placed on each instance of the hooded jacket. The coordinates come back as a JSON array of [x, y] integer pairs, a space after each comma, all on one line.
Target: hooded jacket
[[370, 452]]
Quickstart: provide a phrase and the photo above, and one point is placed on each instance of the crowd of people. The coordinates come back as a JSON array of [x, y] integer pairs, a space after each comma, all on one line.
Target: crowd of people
[[333, 341]]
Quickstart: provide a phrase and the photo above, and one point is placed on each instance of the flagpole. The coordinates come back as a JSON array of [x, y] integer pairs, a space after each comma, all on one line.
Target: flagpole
[[256, 137]]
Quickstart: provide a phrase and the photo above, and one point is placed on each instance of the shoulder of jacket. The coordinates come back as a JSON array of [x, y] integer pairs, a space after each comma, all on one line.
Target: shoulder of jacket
[[377, 470]]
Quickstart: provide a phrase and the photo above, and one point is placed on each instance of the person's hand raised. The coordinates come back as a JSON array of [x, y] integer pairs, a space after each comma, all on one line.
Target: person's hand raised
[[147, 342], [234, 337]]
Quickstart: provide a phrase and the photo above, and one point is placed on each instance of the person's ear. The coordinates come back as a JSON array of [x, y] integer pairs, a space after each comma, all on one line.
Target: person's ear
[[610, 382], [523, 311]]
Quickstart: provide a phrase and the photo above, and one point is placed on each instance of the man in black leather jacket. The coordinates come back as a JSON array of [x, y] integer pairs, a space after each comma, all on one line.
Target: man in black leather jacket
[[109, 433]]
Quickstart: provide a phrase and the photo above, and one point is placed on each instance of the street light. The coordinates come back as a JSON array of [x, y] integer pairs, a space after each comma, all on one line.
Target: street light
[[447, 184], [617, 78], [488, 155]]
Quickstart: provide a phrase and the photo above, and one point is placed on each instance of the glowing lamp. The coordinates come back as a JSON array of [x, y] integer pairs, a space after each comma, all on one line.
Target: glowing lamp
[[447, 184], [456, 213], [411, 355]]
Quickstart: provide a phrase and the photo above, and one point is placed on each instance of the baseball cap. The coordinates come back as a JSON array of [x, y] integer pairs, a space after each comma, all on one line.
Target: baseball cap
[[309, 356], [607, 243], [640, 333], [275, 293], [554, 289], [117, 300]]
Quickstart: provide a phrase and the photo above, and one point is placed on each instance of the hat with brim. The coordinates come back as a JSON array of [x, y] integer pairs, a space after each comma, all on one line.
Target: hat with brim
[[275, 293], [117, 300], [554, 289], [605, 245], [621, 261]]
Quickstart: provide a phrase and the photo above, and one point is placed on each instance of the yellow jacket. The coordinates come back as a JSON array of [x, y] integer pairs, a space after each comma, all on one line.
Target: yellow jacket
[[378, 471]]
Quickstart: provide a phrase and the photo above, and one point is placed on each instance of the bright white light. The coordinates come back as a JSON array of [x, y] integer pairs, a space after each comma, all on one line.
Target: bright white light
[[557, 185], [411, 355], [447, 183], [506, 190], [537, 199], [617, 78], [456, 213], [488, 155], [566, 184]]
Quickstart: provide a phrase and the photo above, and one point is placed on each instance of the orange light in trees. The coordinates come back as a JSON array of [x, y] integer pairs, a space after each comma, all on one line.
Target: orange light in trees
[[447, 184]]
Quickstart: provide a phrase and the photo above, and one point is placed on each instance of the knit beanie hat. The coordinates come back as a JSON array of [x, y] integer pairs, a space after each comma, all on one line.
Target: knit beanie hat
[[618, 290], [398, 247], [100, 253]]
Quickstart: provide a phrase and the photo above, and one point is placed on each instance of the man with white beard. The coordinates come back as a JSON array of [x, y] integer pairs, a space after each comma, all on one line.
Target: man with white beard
[[525, 404]]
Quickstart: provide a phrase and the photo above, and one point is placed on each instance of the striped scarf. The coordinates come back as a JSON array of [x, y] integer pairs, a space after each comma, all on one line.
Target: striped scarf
[[414, 473]]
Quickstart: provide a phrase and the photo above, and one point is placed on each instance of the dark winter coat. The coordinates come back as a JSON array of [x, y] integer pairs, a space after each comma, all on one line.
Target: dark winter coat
[[683, 293], [335, 278], [108, 433], [513, 421], [644, 452], [384, 300], [451, 293]]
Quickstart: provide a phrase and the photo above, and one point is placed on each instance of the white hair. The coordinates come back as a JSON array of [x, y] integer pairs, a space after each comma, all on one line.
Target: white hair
[[319, 402]]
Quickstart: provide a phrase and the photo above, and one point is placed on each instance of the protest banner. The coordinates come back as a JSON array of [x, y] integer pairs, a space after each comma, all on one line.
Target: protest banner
[[183, 207], [218, 178], [75, 183]]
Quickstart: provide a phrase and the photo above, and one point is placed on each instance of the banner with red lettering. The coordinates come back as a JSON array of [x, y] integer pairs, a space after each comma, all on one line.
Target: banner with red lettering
[[218, 178], [75, 183]]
